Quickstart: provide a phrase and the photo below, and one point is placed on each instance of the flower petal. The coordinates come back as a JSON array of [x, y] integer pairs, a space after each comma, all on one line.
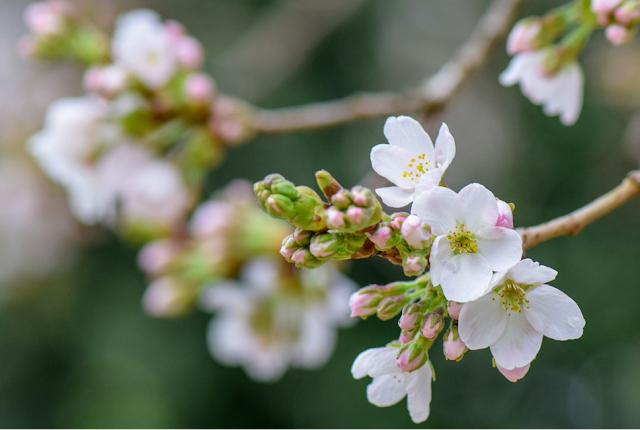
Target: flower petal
[[573, 96], [518, 345], [407, 133], [395, 197], [465, 277], [436, 208], [529, 272], [440, 253], [429, 180], [445, 148], [390, 161], [502, 247], [554, 314], [419, 393], [387, 390], [482, 321], [375, 362], [476, 206]]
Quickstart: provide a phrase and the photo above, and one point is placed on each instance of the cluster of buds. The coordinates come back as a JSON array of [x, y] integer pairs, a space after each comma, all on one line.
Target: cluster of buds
[[619, 17], [311, 249]]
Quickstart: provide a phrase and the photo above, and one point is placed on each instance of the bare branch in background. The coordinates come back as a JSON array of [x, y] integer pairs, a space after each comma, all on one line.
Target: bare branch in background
[[279, 44], [430, 97], [573, 223]]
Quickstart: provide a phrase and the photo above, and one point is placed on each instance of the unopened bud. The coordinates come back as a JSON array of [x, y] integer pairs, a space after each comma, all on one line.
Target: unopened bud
[[514, 374], [618, 34], [454, 308], [412, 357], [155, 256], [522, 36], [355, 215], [406, 336], [279, 205], [341, 199], [389, 307], [410, 316], [454, 347], [106, 81], [324, 245], [432, 326], [628, 12], [415, 264], [304, 258], [364, 304], [383, 237], [335, 219], [303, 237], [415, 232], [604, 6], [505, 214], [360, 197], [189, 52], [289, 247], [167, 298], [397, 219], [199, 88], [43, 18]]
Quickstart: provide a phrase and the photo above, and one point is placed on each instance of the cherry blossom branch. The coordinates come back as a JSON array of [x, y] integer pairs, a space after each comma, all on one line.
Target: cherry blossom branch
[[430, 97], [573, 223]]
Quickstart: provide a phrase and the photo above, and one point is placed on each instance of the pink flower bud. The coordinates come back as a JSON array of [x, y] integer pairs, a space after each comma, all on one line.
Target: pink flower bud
[[604, 6], [298, 256], [396, 223], [334, 218], [432, 326], [228, 129], [107, 80], [42, 18], [514, 374], [454, 308], [454, 348], [323, 246], [289, 247], [364, 304], [408, 321], [360, 197], [341, 199], [199, 87], [155, 256], [414, 232], [505, 215], [355, 215], [408, 365], [166, 298], [381, 236], [174, 31], [618, 35], [405, 337], [211, 218], [414, 265], [627, 13], [189, 52], [522, 36]]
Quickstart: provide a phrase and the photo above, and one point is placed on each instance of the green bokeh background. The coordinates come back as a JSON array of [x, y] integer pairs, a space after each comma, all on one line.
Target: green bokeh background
[[77, 350]]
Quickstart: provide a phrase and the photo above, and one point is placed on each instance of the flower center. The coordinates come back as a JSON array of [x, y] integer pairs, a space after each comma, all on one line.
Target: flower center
[[461, 240], [513, 298], [417, 167]]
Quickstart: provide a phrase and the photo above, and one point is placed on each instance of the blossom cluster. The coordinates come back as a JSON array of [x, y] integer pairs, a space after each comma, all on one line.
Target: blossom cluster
[[268, 315], [477, 278], [547, 68]]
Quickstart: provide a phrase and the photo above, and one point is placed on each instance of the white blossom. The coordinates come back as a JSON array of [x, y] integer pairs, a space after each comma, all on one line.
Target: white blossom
[[143, 46], [559, 94], [517, 312], [410, 160], [469, 246], [267, 322], [390, 384]]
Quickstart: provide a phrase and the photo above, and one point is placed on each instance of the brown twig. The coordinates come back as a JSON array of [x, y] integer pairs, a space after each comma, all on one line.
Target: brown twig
[[573, 223], [430, 96]]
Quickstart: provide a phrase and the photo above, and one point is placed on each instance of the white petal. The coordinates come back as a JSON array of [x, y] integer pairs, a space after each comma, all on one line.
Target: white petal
[[407, 133], [482, 321], [419, 393], [529, 272], [261, 274], [554, 314], [445, 148], [226, 294], [395, 197], [436, 208], [518, 64], [476, 206], [574, 96], [317, 342], [375, 362], [387, 390], [518, 345], [501, 246], [465, 277], [430, 179], [390, 162], [440, 253]]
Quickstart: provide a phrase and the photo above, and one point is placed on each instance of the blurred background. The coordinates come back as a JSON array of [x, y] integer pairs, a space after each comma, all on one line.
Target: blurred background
[[76, 349]]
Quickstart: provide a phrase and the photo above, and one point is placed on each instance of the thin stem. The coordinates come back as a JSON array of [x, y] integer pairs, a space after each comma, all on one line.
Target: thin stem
[[573, 223], [431, 96]]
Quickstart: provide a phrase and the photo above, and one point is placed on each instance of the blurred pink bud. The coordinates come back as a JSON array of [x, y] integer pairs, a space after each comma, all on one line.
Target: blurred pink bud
[[454, 308], [199, 87], [432, 326], [44, 18], [604, 6], [505, 214], [355, 215], [514, 374], [405, 337], [360, 197], [414, 265], [211, 217], [155, 256], [189, 52], [628, 12], [26, 46], [174, 30], [299, 255], [618, 35], [165, 298], [522, 36], [381, 236], [408, 321], [229, 130], [407, 365], [396, 223], [414, 232], [363, 305], [334, 218], [453, 348], [107, 80]]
